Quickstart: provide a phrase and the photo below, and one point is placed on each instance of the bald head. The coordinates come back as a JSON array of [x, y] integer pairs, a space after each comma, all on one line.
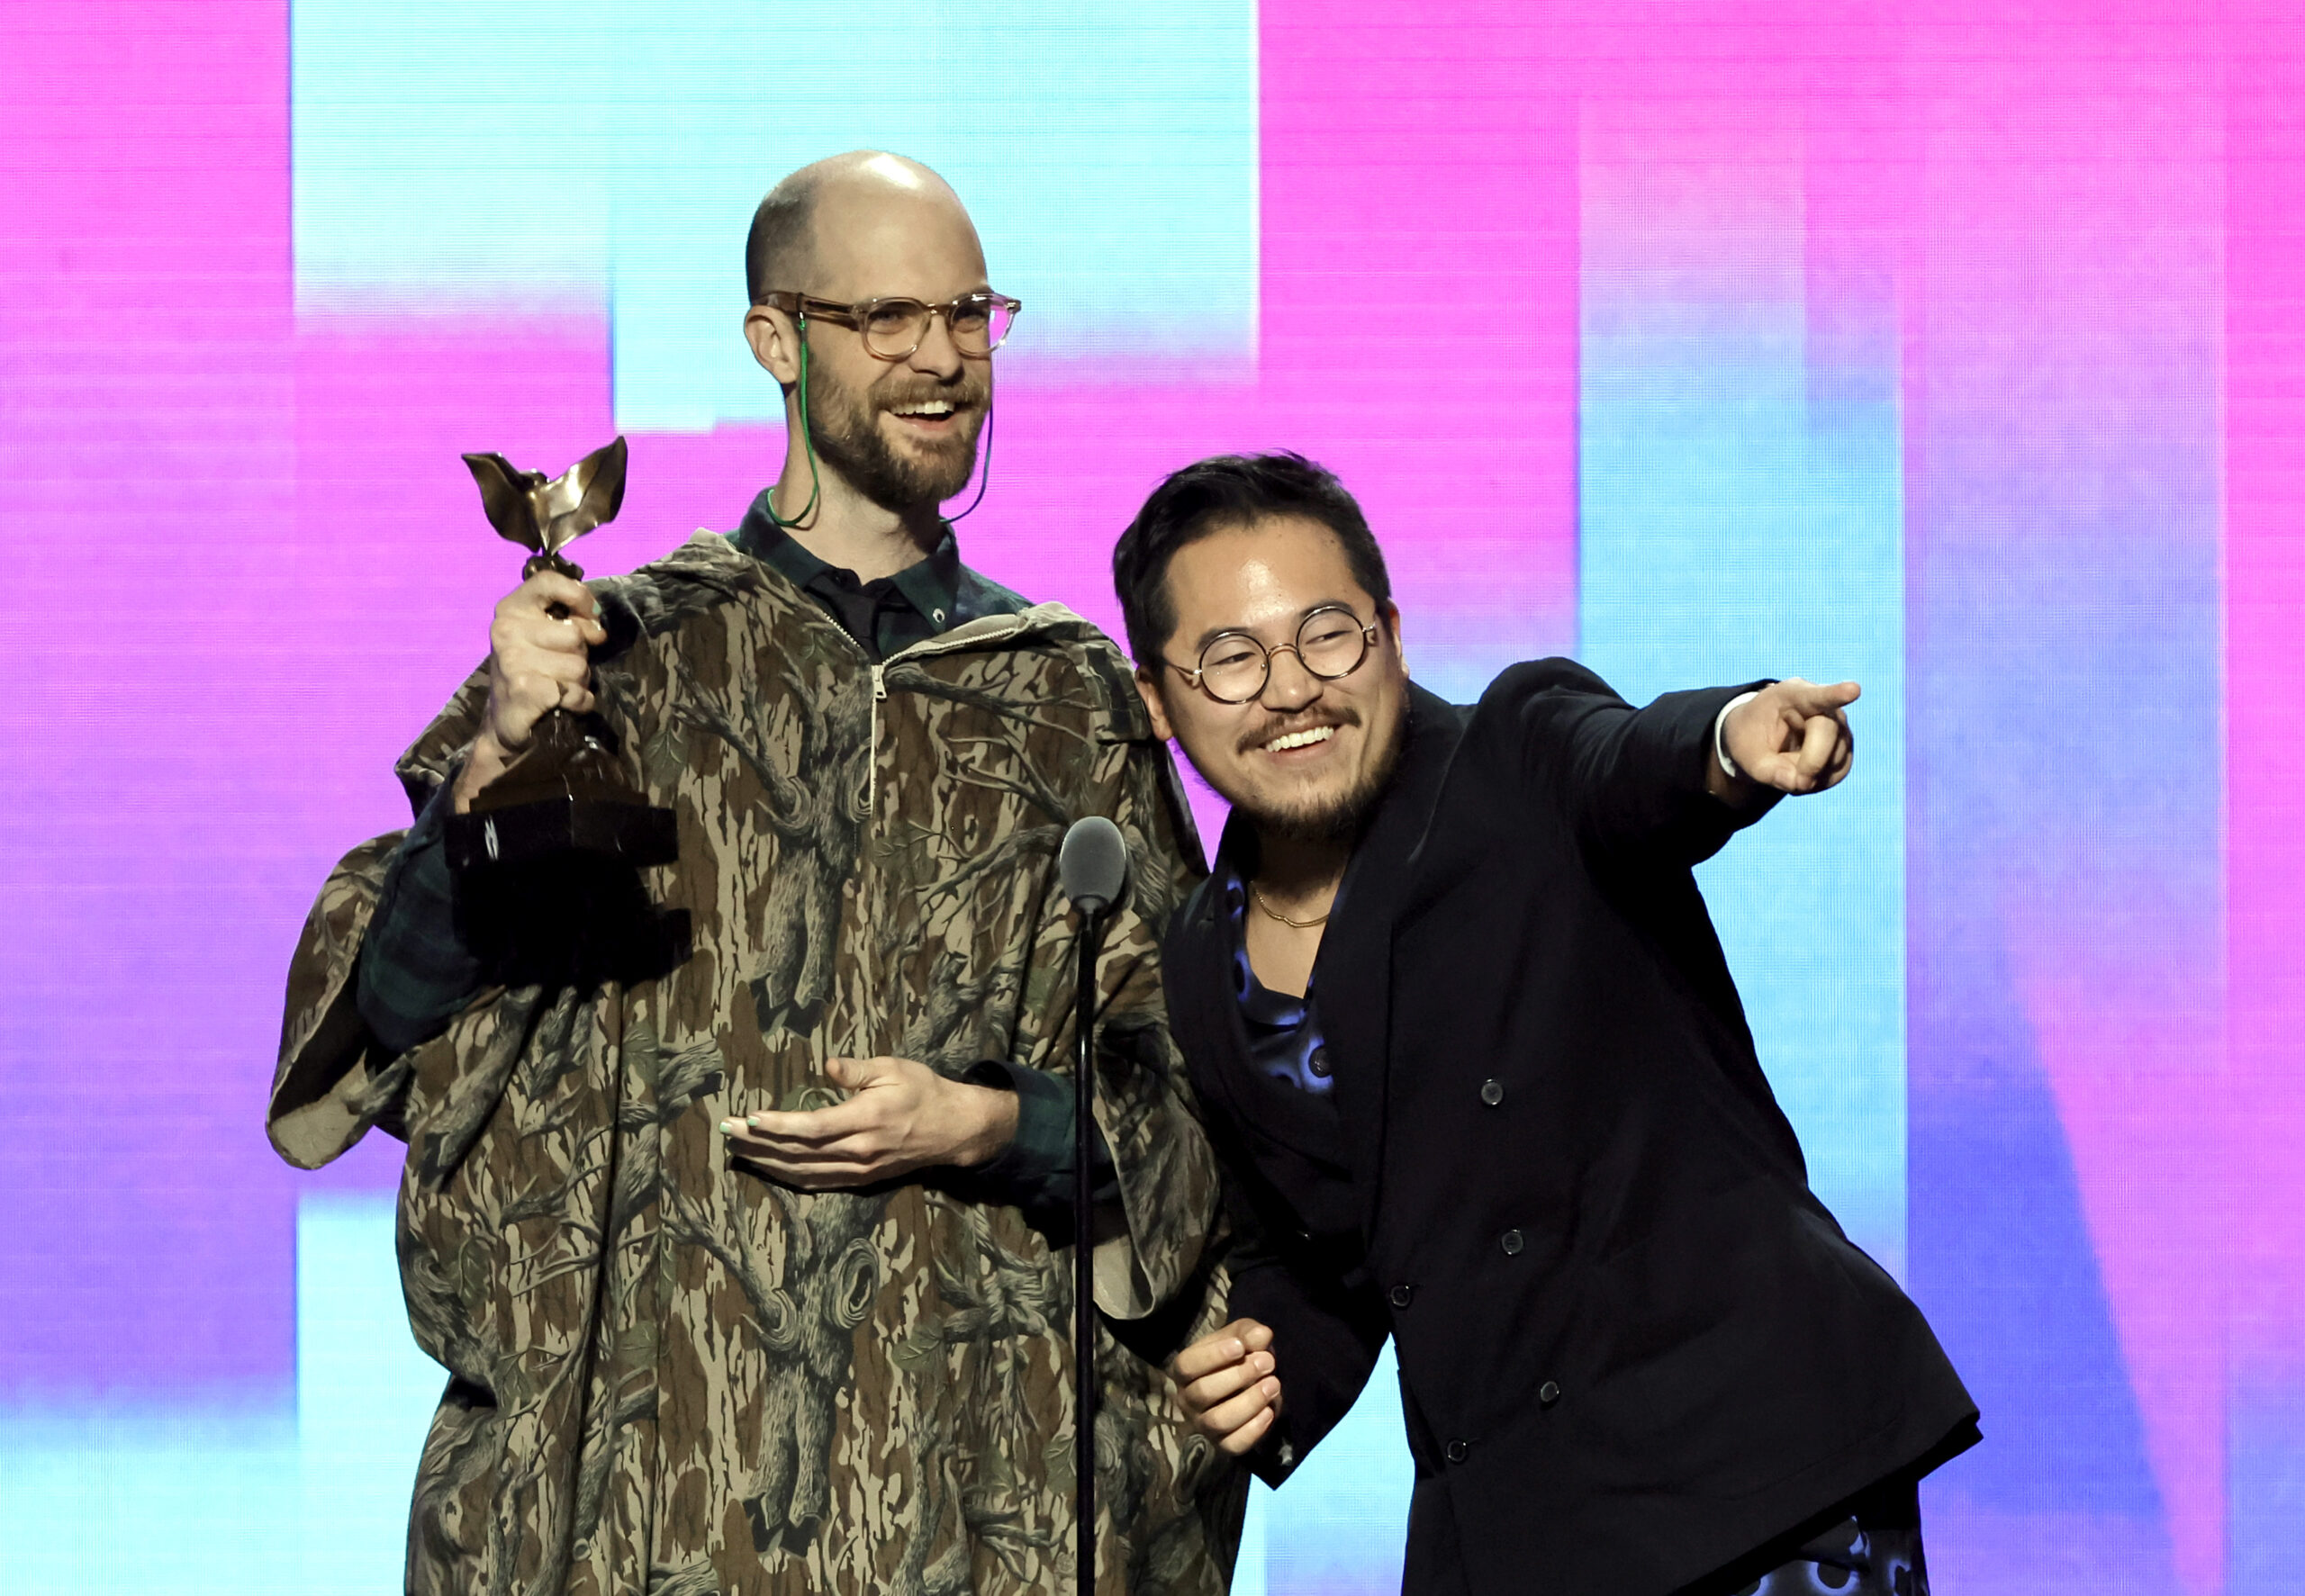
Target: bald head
[[861, 201]]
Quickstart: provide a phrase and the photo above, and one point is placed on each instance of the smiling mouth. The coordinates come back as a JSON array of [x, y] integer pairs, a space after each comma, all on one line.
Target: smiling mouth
[[927, 410], [1304, 739]]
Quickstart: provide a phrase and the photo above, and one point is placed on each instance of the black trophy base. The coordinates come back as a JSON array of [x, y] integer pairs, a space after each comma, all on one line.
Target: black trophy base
[[553, 827]]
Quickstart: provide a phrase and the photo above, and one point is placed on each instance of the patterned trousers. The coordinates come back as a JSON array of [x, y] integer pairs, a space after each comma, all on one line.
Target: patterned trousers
[[1876, 1551], [1852, 1559]]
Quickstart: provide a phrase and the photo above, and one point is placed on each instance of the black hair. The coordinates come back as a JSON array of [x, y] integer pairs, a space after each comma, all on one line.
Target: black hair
[[778, 248], [1215, 495]]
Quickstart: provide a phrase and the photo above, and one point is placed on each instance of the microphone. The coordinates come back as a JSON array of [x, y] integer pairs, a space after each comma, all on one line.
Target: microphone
[[1092, 867]]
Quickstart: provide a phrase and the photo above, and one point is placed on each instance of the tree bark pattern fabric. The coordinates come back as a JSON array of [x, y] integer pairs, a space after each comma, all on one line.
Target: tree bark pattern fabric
[[669, 1374]]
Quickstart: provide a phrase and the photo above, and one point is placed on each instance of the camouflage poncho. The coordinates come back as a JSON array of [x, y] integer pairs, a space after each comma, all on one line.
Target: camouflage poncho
[[669, 1374]]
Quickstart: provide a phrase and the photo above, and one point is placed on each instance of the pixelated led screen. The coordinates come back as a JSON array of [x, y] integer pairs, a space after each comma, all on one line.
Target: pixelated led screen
[[1959, 350]]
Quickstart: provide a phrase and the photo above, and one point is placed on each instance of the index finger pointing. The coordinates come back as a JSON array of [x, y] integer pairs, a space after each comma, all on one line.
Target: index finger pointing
[[1810, 698]]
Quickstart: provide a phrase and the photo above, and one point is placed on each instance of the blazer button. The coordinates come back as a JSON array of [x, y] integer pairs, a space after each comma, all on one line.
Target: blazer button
[[1548, 1393], [1400, 1295], [1457, 1450], [1318, 1062], [1491, 1092], [1511, 1241]]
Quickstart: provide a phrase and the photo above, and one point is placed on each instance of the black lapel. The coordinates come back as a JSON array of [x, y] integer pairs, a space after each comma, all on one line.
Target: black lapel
[[1202, 1014], [1353, 974]]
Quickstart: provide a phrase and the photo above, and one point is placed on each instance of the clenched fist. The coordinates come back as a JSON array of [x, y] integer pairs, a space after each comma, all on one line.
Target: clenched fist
[[1226, 1382], [537, 661]]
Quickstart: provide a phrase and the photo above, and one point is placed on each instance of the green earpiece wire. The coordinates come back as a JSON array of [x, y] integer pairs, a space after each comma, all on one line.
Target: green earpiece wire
[[808, 441]]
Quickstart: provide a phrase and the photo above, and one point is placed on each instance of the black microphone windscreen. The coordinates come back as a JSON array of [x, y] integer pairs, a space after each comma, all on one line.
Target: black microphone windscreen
[[1092, 865]]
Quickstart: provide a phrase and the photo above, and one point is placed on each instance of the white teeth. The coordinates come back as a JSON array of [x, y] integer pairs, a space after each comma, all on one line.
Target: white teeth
[[1304, 739], [934, 408]]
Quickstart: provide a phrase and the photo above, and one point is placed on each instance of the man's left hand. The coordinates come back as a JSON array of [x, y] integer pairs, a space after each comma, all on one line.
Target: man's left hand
[[900, 1117], [1792, 736]]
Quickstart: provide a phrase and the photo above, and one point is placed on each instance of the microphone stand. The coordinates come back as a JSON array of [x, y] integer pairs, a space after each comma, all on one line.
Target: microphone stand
[[1084, 1283], [1092, 865]]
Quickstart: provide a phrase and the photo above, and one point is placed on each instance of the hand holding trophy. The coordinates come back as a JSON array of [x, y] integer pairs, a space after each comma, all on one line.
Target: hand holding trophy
[[563, 793]]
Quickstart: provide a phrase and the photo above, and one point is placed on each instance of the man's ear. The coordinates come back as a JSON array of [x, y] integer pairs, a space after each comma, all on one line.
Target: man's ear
[[1389, 613], [775, 342], [1148, 687]]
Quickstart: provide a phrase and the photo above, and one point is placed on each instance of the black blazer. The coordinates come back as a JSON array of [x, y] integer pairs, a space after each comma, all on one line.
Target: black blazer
[[1634, 1347]]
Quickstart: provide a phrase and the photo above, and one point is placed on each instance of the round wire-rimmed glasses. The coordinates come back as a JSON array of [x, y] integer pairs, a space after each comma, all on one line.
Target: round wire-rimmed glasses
[[1331, 643], [892, 328]]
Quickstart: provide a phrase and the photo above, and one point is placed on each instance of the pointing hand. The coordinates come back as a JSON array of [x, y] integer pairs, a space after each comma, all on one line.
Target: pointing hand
[[1792, 736]]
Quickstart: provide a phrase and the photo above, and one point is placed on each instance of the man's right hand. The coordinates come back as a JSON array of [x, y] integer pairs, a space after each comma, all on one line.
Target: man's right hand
[[536, 662], [1226, 1380]]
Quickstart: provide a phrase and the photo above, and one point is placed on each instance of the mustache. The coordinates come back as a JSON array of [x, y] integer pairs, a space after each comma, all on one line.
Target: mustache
[[965, 392], [1280, 725]]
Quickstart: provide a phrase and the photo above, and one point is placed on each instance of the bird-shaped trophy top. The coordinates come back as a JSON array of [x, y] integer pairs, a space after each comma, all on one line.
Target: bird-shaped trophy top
[[549, 516]]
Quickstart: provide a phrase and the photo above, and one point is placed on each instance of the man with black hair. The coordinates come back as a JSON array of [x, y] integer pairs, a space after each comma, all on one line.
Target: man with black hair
[[747, 1273], [1469, 1049]]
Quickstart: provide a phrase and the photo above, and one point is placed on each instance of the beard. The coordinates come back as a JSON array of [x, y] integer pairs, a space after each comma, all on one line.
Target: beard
[[844, 428], [1335, 817]]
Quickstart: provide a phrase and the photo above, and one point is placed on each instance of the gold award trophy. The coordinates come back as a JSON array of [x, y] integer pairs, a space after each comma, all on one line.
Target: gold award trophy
[[566, 792]]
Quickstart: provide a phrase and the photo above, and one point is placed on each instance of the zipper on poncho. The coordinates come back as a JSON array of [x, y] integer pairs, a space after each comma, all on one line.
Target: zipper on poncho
[[872, 736], [965, 636]]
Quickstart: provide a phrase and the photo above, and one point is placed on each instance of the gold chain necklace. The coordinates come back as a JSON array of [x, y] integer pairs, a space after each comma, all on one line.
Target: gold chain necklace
[[1285, 920]]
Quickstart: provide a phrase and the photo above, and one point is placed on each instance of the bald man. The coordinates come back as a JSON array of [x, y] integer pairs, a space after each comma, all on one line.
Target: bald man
[[746, 1269]]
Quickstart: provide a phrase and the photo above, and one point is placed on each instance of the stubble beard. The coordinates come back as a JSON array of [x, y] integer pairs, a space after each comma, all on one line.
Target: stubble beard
[[1340, 818], [844, 426]]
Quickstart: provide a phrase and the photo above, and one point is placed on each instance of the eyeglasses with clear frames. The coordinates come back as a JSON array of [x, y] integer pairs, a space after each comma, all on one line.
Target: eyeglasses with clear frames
[[1331, 643], [892, 328]]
